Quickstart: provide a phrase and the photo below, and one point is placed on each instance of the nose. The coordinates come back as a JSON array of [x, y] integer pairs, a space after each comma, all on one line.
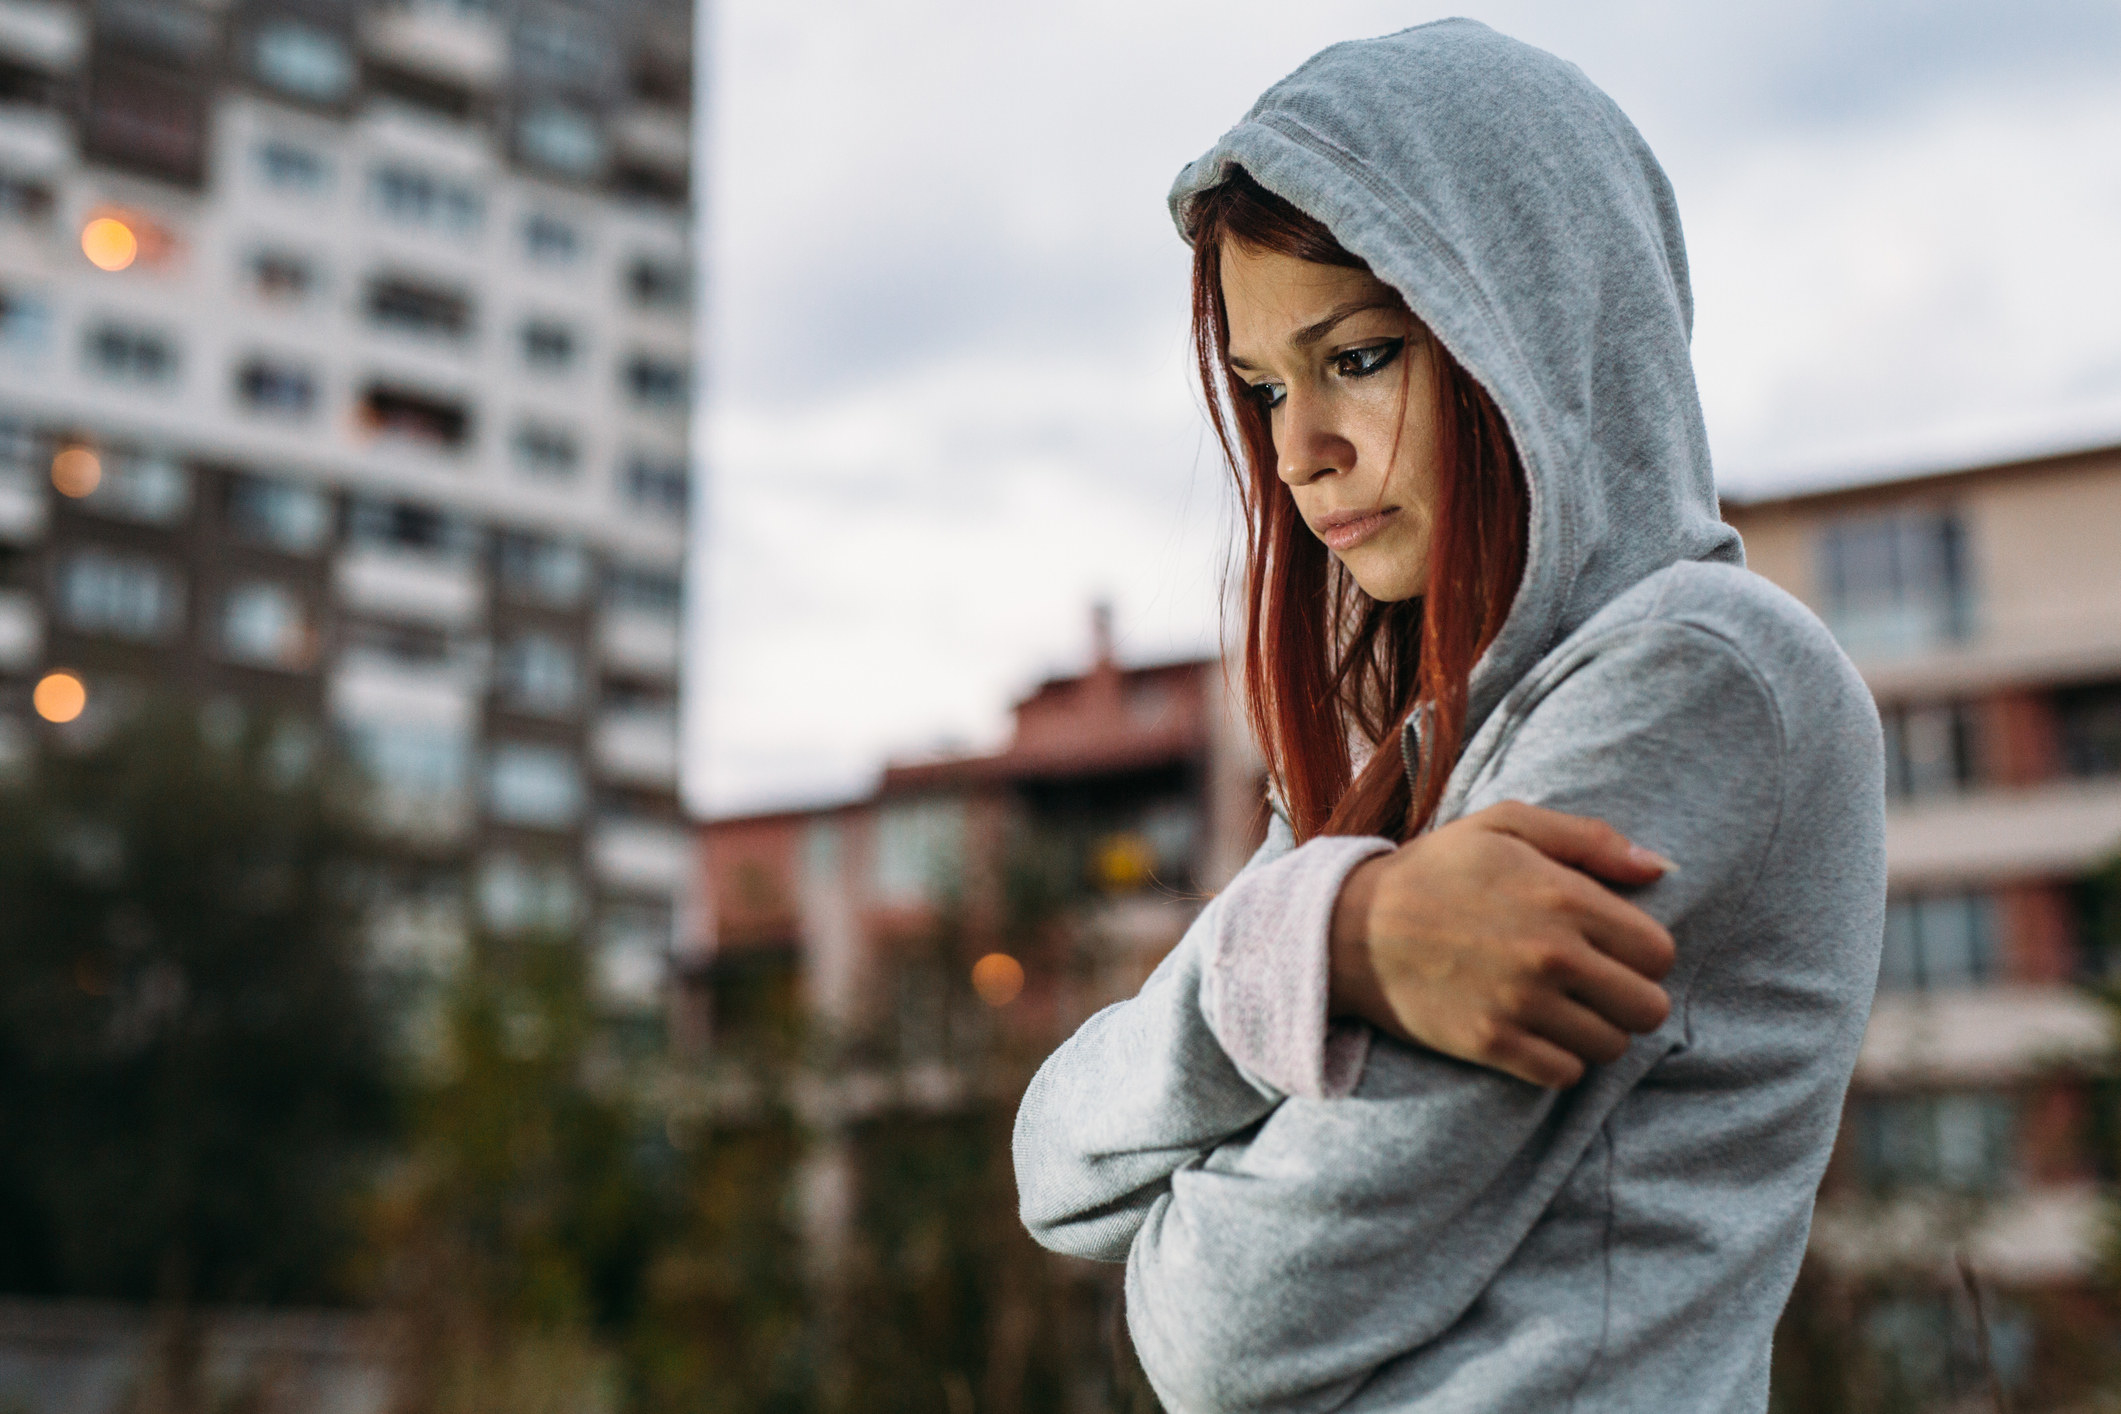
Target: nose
[[1309, 444]]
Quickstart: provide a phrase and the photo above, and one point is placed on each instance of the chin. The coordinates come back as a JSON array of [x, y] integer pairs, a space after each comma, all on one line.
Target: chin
[[1386, 583]]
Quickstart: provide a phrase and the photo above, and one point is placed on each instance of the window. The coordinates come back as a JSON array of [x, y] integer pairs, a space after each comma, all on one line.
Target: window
[[546, 451], [633, 946], [420, 419], [275, 386], [419, 198], [412, 760], [143, 117], [405, 527], [656, 485], [290, 167], [533, 785], [24, 200], [282, 277], [279, 515], [436, 95], [552, 572], [412, 307], [659, 284], [1939, 941], [25, 323], [148, 487], [656, 382], [539, 674], [918, 851], [569, 51], [548, 346], [518, 895], [125, 596], [125, 353], [1929, 749], [2090, 722], [301, 60], [265, 625], [561, 140], [1896, 583], [647, 591], [548, 240], [1957, 1142]]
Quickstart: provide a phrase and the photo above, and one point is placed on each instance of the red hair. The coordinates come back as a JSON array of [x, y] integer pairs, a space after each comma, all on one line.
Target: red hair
[[1323, 660]]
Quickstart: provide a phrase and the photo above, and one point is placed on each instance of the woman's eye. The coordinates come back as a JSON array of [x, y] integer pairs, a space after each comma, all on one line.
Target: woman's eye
[[1269, 396], [1362, 362]]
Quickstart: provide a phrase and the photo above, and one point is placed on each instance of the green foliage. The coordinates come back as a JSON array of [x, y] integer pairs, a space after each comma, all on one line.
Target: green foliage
[[192, 1075]]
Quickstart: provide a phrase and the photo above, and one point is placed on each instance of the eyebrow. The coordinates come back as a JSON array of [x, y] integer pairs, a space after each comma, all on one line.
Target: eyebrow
[[1312, 333]]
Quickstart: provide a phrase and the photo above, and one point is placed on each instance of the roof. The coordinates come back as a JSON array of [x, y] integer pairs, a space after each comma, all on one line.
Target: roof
[[1894, 488]]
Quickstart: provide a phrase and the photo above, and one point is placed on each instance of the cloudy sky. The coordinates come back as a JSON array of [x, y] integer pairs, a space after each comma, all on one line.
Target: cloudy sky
[[947, 400]]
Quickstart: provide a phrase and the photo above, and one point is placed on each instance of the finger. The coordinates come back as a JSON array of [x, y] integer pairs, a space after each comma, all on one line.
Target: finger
[[1532, 1059], [1580, 842], [1621, 930], [1576, 1028], [1620, 995]]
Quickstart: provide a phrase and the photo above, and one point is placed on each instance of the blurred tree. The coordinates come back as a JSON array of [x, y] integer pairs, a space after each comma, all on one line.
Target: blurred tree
[[192, 1072]]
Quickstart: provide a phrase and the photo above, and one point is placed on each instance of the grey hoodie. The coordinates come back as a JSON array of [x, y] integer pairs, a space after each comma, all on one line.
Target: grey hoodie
[[1319, 1218]]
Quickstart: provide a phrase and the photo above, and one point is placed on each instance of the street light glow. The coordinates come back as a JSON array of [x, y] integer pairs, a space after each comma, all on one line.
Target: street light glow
[[109, 243]]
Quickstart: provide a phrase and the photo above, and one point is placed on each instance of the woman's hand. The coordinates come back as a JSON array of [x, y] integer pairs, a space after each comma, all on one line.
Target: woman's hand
[[1489, 940]]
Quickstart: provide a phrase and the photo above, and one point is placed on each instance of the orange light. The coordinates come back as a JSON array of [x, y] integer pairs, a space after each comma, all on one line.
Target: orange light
[[998, 978], [76, 472], [109, 243], [60, 697]]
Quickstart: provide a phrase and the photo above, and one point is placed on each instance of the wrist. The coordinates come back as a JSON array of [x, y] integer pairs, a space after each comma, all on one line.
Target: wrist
[[1352, 987]]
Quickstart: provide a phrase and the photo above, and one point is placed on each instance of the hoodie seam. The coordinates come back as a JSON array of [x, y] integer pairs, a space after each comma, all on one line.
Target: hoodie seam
[[1605, 1264]]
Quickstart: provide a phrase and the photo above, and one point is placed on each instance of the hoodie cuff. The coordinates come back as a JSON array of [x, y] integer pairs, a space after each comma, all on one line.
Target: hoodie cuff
[[1267, 977]]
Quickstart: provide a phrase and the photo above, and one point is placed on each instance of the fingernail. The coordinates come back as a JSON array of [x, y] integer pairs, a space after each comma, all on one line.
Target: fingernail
[[1650, 859]]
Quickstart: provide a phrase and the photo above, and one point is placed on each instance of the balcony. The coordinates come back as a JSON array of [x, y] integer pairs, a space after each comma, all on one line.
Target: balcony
[[41, 35], [21, 630], [443, 591], [2061, 829], [644, 856], [441, 43], [24, 507], [1981, 1036], [635, 641], [637, 746], [655, 137]]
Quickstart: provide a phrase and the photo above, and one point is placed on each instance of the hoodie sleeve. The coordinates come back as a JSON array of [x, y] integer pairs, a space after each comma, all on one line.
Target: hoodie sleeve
[[1285, 1267]]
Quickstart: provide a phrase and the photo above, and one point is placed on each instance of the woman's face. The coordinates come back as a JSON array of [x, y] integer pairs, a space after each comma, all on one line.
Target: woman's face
[[1343, 373]]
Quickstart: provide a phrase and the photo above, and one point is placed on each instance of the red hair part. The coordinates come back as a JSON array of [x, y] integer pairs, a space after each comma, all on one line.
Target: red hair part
[[1322, 660]]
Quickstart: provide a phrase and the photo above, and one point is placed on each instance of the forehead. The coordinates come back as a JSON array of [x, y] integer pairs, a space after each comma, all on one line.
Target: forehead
[[1270, 296]]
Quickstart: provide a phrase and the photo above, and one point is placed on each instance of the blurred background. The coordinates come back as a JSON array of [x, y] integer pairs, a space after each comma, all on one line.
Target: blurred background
[[609, 627]]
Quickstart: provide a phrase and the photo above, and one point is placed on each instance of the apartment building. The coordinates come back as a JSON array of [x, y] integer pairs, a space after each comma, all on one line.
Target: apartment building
[[1983, 607], [345, 373]]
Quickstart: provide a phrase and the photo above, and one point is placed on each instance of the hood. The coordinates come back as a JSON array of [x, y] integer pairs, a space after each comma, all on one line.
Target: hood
[[1526, 223]]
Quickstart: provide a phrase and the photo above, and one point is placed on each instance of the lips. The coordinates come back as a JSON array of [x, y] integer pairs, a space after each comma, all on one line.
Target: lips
[[1344, 530]]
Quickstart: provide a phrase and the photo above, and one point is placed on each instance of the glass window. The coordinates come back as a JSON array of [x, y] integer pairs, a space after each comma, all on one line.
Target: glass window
[[421, 420], [415, 197], [148, 487], [518, 895], [540, 673], [633, 946], [282, 277], [1896, 583], [642, 590], [125, 596], [562, 140], [416, 308], [1929, 749], [304, 61], [417, 760], [24, 200], [278, 514], [918, 853], [271, 385], [290, 167], [551, 241], [657, 382], [125, 353], [656, 485], [533, 785], [1939, 940], [659, 284], [543, 450], [1961, 1142], [266, 625], [2090, 721], [407, 527], [553, 572], [548, 346], [25, 322]]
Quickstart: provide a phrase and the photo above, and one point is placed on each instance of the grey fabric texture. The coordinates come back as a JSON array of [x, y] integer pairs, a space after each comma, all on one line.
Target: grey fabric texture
[[1443, 1237]]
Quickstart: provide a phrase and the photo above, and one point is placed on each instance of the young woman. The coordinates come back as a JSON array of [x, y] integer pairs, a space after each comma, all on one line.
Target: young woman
[[1406, 1121]]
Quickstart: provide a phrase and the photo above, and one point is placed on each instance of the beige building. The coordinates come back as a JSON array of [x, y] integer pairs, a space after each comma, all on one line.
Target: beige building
[[1983, 607]]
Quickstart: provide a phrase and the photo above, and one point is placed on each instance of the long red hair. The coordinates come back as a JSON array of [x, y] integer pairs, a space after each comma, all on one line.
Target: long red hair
[[1323, 660]]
